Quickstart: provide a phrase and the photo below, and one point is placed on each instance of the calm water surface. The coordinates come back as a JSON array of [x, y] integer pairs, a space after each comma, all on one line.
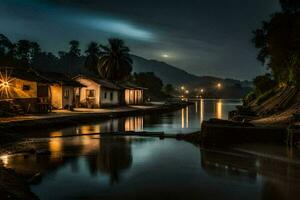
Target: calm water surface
[[94, 167]]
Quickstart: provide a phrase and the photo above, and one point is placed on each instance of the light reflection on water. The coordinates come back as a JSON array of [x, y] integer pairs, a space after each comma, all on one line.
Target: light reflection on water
[[101, 167], [186, 120]]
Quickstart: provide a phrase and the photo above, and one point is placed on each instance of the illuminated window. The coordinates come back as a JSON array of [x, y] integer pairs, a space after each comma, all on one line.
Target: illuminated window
[[26, 87], [90, 93]]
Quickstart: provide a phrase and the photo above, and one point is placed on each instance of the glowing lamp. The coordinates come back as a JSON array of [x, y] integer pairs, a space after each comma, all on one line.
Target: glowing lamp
[[5, 84]]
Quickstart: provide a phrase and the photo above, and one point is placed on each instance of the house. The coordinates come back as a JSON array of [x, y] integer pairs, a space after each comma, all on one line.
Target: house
[[98, 93], [62, 90], [25, 87], [133, 94]]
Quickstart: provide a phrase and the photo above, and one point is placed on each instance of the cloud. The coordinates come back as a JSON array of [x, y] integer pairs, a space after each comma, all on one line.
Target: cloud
[[116, 27]]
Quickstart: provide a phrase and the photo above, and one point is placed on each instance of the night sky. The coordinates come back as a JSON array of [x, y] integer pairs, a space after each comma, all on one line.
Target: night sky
[[203, 37]]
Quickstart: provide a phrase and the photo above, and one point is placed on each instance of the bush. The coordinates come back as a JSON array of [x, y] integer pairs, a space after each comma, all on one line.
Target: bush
[[262, 98], [250, 97], [263, 84]]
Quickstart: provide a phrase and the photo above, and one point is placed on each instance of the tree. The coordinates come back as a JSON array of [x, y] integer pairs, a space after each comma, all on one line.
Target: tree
[[150, 81], [45, 60], [92, 57], [25, 52], [74, 49], [115, 63], [7, 51], [278, 43], [169, 90], [263, 83], [290, 5]]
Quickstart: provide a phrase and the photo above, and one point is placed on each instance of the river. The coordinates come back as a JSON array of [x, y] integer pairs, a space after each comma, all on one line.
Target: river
[[94, 167]]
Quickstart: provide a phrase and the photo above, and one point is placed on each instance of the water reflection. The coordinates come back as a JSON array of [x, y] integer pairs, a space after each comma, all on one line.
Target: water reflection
[[157, 168], [281, 178], [103, 155], [219, 109], [114, 156]]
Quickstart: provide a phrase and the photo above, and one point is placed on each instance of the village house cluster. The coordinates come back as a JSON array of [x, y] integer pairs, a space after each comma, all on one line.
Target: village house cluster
[[42, 91]]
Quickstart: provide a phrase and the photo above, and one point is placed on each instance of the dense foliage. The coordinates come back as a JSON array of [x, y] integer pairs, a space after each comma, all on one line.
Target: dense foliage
[[278, 42], [115, 63], [263, 83], [153, 84]]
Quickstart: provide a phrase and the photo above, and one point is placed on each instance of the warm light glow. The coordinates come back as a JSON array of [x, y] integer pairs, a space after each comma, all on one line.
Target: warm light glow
[[187, 92], [134, 123], [5, 84], [4, 160], [182, 118], [219, 109], [202, 90], [219, 85], [187, 117], [201, 111], [182, 88]]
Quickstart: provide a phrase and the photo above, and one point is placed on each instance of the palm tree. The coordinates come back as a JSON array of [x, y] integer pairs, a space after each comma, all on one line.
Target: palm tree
[[92, 53], [115, 63], [73, 55]]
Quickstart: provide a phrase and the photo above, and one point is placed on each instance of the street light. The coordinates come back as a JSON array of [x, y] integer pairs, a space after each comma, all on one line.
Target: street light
[[219, 85], [202, 90], [182, 87], [187, 92]]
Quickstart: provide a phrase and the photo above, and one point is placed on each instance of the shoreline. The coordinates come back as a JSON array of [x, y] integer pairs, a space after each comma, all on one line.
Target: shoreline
[[14, 185], [15, 130]]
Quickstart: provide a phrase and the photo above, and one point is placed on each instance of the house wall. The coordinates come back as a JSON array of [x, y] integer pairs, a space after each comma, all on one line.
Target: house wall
[[90, 85], [56, 96], [133, 97], [67, 96], [108, 101], [19, 88]]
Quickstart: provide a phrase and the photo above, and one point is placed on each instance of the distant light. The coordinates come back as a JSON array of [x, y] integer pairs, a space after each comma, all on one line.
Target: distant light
[[219, 85], [187, 91], [182, 88], [202, 90], [165, 56]]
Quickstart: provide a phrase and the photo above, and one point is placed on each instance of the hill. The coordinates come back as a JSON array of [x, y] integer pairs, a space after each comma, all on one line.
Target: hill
[[176, 76]]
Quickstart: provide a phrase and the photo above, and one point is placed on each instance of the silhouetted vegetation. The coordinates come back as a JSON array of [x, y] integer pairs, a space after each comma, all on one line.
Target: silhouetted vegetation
[[115, 63], [279, 45], [263, 83], [112, 62], [152, 82]]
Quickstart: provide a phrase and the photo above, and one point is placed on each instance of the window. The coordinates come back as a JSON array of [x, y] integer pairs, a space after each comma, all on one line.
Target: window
[[111, 96], [105, 95], [67, 93], [26, 87], [90, 93]]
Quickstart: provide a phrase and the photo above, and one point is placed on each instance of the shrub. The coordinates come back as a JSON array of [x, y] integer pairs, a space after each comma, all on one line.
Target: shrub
[[265, 96]]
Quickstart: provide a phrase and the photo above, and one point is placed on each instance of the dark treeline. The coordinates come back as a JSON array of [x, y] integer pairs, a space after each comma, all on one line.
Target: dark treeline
[[278, 44], [112, 62]]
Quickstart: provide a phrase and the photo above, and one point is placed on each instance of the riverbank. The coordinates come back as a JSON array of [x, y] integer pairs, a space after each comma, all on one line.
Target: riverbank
[[14, 128]]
